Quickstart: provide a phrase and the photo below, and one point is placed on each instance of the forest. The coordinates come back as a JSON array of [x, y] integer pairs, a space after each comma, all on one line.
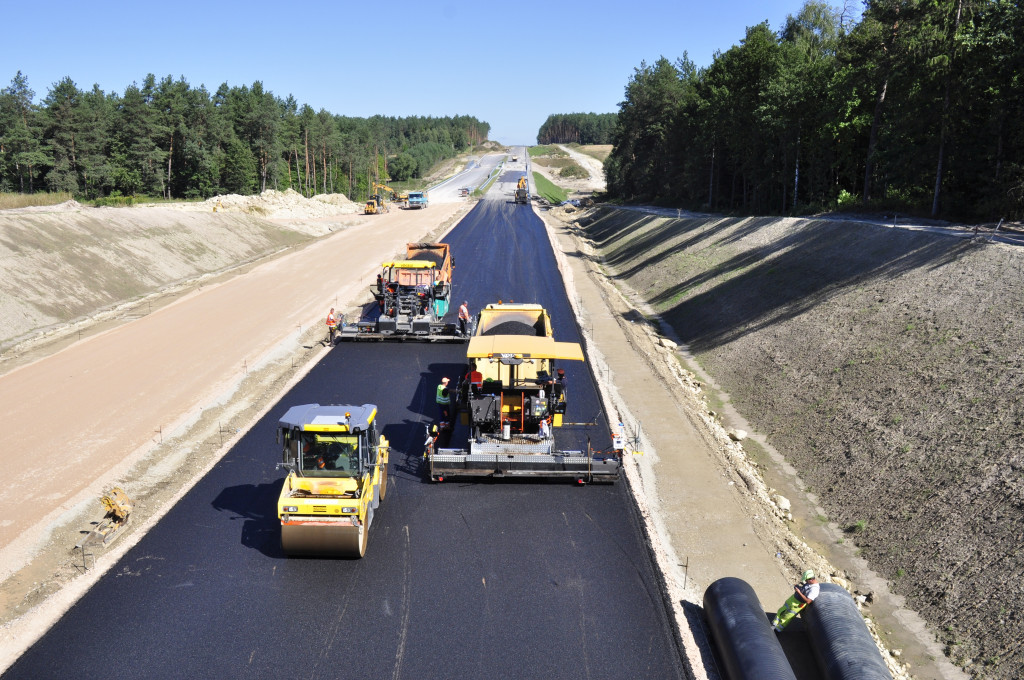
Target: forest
[[167, 138], [578, 128], [915, 107]]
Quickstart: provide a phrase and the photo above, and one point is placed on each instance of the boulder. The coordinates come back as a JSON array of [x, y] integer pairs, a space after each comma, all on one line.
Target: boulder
[[737, 435]]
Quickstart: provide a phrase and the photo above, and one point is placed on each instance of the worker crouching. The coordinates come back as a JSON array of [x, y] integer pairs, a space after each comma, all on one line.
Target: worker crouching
[[804, 593]]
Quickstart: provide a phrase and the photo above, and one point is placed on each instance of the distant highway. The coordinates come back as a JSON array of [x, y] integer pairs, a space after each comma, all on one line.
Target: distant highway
[[475, 175]]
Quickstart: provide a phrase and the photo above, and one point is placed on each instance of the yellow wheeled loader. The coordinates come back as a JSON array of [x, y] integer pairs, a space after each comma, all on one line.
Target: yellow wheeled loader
[[376, 205], [337, 476]]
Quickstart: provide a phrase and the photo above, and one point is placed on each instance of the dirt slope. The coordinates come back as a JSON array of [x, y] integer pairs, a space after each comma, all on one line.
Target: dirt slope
[[62, 263], [886, 365]]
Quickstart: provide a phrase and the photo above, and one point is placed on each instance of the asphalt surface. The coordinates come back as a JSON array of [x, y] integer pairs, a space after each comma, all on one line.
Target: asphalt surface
[[474, 176], [506, 579]]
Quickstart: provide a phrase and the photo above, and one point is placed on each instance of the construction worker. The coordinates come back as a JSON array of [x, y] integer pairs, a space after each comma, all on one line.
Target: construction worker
[[804, 593], [474, 378], [428, 445], [332, 326], [444, 401], [463, 317]]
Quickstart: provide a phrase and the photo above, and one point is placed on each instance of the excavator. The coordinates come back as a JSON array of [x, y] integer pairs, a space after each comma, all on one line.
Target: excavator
[[522, 191], [337, 465], [396, 195], [378, 203]]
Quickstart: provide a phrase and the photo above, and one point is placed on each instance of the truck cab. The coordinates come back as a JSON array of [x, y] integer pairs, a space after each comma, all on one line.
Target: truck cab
[[418, 199]]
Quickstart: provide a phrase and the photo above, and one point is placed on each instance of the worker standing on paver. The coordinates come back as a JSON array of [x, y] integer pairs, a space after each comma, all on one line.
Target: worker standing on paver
[[444, 402], [332, 326], [463, 317], [474, 379], [804, 593]]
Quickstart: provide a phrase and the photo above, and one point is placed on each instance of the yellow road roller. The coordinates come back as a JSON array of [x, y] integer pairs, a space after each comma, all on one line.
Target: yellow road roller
[[337, 467]]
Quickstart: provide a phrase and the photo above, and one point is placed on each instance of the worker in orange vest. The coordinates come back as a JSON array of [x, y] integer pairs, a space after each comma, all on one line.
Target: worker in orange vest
[[332, 326]]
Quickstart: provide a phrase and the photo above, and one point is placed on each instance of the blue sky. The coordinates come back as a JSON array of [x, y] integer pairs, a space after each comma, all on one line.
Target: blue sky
[[509, 63]]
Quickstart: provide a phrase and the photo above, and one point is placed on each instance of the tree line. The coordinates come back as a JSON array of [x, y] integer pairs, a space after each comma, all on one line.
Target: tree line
[[168, 138], [915, 107], [581, 128]]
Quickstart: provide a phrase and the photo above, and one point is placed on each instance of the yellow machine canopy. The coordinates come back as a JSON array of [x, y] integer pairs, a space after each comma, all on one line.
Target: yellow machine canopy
[[522, 347]]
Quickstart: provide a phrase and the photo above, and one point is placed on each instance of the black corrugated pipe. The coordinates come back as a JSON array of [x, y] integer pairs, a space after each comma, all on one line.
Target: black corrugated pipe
[[842, 644], [746, 643]]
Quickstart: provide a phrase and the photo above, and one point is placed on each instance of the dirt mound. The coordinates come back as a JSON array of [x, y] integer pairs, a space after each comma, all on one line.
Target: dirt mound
[[66, 206], [281, 204], [887, 366]]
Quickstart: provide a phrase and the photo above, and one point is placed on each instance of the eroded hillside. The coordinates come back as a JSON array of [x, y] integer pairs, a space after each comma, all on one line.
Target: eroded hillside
[[62, 263], [887, 366]]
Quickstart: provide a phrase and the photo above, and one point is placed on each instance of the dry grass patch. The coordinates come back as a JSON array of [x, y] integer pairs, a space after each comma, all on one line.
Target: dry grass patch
[[554, 162], [10, 201], [598, 151]]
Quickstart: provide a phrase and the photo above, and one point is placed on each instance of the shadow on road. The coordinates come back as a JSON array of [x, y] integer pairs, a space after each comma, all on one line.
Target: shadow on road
[[260, 528]]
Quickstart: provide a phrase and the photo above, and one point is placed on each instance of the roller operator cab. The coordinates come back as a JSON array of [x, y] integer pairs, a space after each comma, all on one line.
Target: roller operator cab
[[337, 477], [512, 397]]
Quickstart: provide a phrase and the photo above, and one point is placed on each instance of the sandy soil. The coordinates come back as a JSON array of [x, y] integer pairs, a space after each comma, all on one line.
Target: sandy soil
[[70, 263], [596, 180], [577, 187]]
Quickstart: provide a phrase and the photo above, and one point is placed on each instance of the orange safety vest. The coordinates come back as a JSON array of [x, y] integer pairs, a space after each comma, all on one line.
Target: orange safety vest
[[464, 312], [330, 319]]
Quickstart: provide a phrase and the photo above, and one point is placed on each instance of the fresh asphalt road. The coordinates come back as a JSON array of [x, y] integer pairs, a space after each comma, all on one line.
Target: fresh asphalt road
[[505, 579]]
